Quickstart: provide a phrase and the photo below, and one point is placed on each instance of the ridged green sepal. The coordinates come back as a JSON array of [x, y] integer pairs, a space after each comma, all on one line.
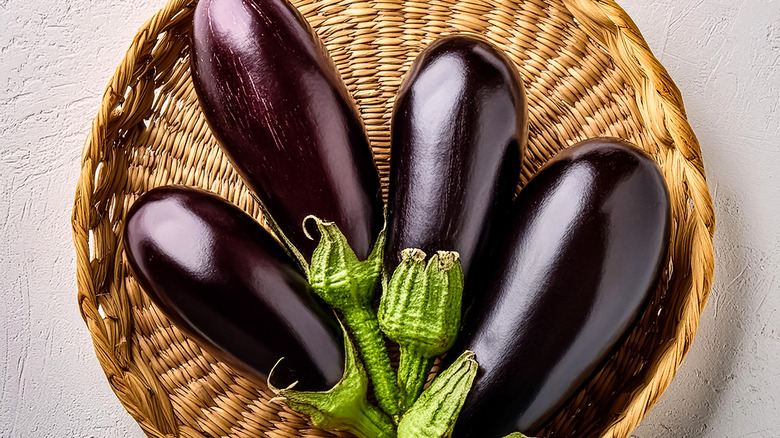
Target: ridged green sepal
[[420, 310], [345, 406], [349, 286], [337, 275], [433, 415], [420, 307]]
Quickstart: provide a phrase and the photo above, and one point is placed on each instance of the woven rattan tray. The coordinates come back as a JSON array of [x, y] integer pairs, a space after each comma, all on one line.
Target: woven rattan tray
[[588, 72]]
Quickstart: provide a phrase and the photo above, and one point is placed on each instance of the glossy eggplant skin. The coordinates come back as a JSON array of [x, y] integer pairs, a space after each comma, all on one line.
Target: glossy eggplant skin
[[582, 252], [225, 281], [279, 109], [459, 131]]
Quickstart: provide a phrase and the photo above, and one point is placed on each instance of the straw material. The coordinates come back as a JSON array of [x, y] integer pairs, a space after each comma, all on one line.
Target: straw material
[[588, 73]]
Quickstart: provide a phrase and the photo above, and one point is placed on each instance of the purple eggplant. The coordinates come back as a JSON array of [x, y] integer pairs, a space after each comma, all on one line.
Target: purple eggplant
[[459, 131], [279, 109], [225, 281], [458, 134], [583, 249]]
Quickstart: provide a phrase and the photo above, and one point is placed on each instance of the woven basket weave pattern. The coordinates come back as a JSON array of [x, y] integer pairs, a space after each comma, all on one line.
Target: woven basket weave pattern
[[587, 72]]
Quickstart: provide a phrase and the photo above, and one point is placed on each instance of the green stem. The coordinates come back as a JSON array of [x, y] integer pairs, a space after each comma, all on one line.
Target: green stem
[[372, 423], [420, 310], [365, 328], [349, 285], [379, 425], [343, 407], [413, 370], [433, 415]]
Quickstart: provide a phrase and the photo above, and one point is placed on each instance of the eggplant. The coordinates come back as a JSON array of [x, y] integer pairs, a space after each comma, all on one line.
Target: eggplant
[[280, 111], [225, 281], [459, 131], [566, 279], [457, 137]]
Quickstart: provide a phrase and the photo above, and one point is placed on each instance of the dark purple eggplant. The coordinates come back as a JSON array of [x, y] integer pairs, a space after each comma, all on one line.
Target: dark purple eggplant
[[459, 131], [225, 281], [279, 109], [583, 249]]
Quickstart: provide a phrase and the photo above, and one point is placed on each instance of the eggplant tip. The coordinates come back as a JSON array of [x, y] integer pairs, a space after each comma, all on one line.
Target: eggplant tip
[[316, 220], [273, 388]]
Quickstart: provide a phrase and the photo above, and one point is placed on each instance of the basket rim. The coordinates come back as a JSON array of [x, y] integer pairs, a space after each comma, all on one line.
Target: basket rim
[[609, 24], [603, 21]]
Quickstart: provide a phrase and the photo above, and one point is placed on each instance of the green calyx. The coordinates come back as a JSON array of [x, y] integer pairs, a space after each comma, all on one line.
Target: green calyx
[[420, 310], [420, 307], [516, 435], [433, 415], [337, 275], [350, 286], [343, 407]]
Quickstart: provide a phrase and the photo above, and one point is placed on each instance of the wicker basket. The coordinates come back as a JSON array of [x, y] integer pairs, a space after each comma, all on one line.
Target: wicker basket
[[588, 73]]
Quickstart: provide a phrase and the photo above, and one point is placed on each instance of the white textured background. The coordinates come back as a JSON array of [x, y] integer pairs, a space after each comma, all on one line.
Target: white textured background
[[57, 56]]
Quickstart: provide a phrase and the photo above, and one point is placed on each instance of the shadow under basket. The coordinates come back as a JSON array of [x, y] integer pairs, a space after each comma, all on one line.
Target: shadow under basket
[[588, 73]]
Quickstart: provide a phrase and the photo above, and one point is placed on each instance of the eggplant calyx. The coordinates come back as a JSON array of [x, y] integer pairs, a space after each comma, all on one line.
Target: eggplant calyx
[[335, 272], [420, 310], [344, 407], [433, 415], [421, 304], [516, 435], [349, 286]]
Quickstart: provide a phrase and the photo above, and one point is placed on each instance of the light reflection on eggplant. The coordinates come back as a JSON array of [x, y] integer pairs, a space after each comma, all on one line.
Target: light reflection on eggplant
[[225, 281], [563, 282], [279, 109], [459, 131]]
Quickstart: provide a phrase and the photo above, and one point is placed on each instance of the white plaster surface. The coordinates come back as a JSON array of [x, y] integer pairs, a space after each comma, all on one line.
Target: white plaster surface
[[57, 56]]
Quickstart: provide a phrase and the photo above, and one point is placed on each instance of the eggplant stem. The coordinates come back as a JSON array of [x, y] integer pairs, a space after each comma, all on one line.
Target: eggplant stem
[[420, 310], [349, 286], [365, 328], [376, 425], [413, 370]]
